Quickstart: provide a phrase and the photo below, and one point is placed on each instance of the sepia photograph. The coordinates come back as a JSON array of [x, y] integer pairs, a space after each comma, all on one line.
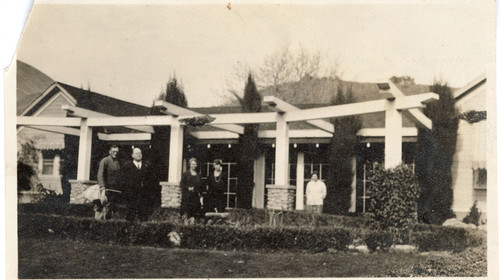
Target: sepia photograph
[[252, 139]]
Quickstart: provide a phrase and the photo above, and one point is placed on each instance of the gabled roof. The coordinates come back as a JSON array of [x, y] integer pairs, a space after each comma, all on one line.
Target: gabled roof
[[468, 88], [104, 104], [30, 84], [88, 100]]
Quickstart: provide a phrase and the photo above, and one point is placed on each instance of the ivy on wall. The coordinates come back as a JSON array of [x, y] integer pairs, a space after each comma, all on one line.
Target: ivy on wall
[[473, 116]]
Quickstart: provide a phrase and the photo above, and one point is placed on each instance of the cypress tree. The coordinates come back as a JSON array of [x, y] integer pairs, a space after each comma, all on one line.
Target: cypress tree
[[342, 149], [434, 159], [249, 143]]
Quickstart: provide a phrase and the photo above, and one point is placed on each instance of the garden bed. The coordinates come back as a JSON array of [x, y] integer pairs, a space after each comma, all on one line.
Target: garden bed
[[235, 236]]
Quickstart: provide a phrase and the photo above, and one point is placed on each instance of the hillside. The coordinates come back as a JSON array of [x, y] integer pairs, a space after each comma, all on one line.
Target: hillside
[[321, 90]]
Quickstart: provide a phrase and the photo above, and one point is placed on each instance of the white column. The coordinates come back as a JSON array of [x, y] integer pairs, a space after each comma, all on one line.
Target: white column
[[281, 157], [299, 199], [84, 151], [393, 135], [57, 166], [352, 209], [175, 155], [260, 182], [40, 161]]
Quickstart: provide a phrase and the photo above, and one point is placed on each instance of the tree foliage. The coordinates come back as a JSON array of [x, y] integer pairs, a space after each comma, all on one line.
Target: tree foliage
[[341, 151], [405, 80], [249, 141], [434, 159], [473, 116], [174, 93], [160, 140]]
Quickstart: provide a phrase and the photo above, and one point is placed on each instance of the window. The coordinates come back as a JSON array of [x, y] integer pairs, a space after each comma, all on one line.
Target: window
[[48, 167], [480, 178]]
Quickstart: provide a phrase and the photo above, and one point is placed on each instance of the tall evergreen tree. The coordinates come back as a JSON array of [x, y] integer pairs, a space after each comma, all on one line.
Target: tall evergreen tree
[[249, 141], [341, 151], [435, 150], [160, 140]]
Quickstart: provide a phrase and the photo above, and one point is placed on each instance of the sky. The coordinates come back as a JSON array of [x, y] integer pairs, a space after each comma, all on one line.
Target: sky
[[130, 51]]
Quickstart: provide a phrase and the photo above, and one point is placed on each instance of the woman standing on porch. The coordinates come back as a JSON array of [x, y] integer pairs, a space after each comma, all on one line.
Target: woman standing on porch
[[190, 192], [315, 193], [217, 184]]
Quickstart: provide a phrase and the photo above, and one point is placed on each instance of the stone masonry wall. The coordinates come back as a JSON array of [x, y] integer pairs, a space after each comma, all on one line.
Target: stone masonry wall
[[77, 188], [170, 195], [280, 197]]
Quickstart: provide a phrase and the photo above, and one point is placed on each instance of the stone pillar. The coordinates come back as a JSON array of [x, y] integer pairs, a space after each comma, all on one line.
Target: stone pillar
[[170, 195], [280, 197], [393, 135], [171, 190], [77, 189]]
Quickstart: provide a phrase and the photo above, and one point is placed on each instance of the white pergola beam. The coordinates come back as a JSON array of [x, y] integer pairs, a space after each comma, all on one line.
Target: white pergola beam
[[301, 133], [360, 108], [416, 115], [214, 135], [279, 105], [419, 118], [86, 113], [48, 121], [244, 118], [131, 121], [124, 136], [337, 111], [415, 101], [58, 129], [174, 110], [380, 132]]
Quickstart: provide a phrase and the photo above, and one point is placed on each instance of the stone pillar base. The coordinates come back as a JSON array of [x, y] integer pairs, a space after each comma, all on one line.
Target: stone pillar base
[[280, 197], [170, 194], [77, 189]]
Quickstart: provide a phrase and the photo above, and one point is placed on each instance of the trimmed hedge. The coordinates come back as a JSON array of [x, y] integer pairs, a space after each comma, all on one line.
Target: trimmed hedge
[[192, 236], [242, 217], [311, 239]]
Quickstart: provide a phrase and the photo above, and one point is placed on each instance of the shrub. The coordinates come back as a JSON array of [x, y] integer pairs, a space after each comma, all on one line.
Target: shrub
[[394, 194], [192, 236], [473, 216], [447, 238]]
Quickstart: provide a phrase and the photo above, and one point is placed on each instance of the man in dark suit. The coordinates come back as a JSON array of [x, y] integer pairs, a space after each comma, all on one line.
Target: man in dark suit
[[137, 180]]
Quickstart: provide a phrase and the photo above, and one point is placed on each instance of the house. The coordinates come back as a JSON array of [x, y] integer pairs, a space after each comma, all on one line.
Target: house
[[301, 144], [470, 160], [52, 142]]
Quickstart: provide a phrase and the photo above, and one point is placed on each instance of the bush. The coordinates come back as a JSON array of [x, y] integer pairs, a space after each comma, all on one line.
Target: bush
[[447, 238], [192, 236], [473, 216], [393, 194]]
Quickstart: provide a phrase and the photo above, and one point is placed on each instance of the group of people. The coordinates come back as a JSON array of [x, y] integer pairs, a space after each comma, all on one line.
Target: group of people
[[132, 185]]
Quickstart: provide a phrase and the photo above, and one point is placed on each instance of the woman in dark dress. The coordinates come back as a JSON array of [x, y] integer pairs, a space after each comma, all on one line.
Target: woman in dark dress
[[217, 184], [191, 191]]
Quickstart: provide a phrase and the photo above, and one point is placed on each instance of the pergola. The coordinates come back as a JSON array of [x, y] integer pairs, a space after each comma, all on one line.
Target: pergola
[[229, 126]]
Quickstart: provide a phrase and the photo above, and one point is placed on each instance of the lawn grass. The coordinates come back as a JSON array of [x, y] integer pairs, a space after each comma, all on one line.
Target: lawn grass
[[52, 257]]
